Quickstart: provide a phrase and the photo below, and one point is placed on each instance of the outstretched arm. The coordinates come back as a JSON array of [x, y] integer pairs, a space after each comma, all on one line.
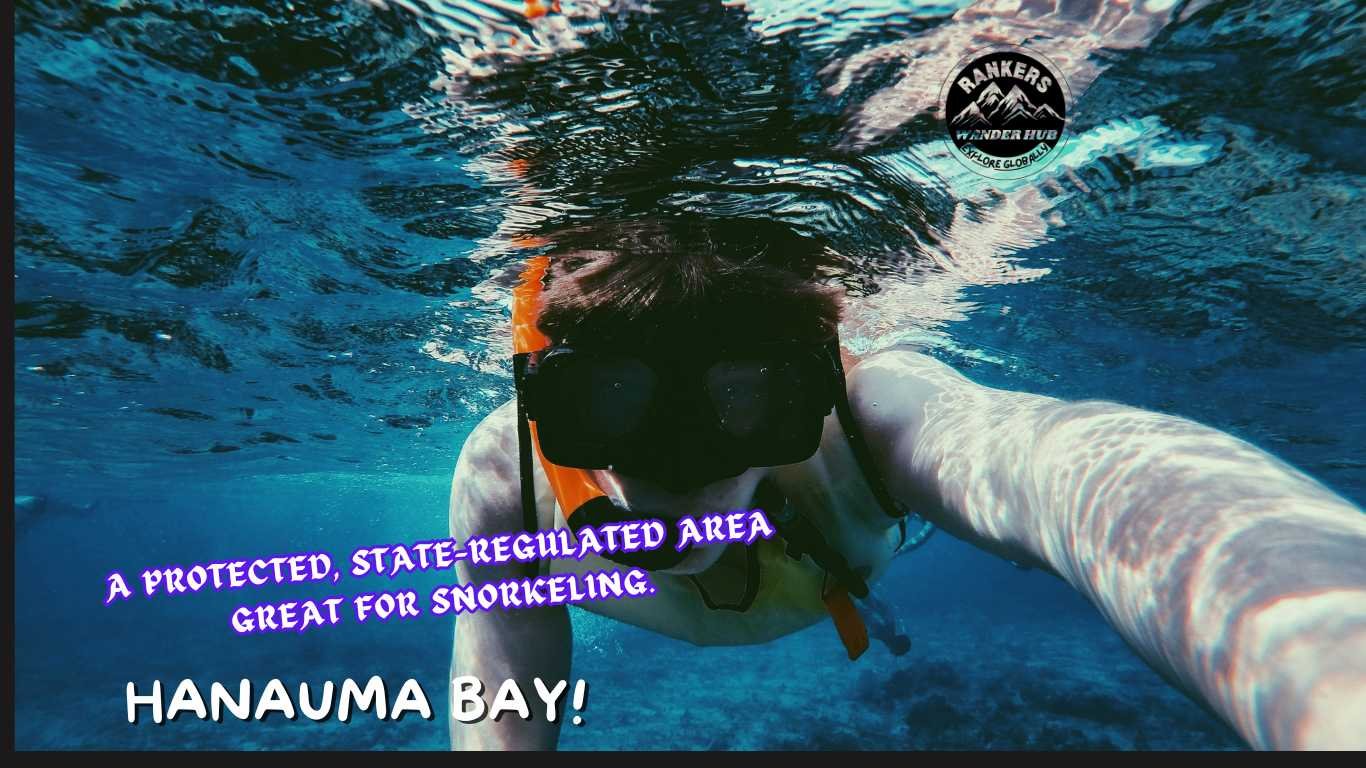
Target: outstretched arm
[[1234, 575]]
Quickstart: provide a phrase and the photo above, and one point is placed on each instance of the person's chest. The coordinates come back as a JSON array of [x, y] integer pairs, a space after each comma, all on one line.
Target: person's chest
[[755, 594]]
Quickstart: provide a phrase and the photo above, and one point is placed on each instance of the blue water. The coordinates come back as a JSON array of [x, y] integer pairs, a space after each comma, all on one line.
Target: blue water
[[260, 301]]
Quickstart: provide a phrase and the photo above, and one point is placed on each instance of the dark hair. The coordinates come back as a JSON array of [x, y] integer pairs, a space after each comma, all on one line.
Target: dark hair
[[675, 280]]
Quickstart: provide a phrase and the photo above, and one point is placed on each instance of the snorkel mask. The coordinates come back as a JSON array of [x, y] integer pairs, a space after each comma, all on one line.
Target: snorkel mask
[[678, 418]]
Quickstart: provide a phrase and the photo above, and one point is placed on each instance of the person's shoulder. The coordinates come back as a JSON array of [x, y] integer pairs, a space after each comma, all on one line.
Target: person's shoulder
[[902, 362], [889, 390], [898, 375], [493, 440], [485, 484]]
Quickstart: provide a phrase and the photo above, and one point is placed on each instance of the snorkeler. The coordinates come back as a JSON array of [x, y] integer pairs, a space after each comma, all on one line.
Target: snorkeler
[[678, 366], [690, 367]]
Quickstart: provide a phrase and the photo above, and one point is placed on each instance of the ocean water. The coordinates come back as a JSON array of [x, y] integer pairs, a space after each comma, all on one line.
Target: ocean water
[[261, 275]]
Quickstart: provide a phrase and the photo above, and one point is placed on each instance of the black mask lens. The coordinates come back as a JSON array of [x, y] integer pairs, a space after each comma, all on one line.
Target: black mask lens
[[590, 408], [709, 419], [771, 406]]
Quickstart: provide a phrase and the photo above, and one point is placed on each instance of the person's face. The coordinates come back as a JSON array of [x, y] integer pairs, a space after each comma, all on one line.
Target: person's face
[[683, 417]]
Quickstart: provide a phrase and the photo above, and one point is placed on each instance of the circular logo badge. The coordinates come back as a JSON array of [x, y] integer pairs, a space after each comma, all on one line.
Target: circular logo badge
[[1005, 109]]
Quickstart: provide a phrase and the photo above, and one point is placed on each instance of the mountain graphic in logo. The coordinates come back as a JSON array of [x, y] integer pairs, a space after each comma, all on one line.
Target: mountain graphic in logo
[[991, 109], [1005, 111]]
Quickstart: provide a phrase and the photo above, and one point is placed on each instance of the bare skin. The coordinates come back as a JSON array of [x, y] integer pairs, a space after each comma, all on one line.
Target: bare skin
[[1235, 576]]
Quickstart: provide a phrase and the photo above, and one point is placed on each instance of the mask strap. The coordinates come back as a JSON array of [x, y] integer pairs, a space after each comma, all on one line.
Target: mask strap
[[530, 521], [862, 455]]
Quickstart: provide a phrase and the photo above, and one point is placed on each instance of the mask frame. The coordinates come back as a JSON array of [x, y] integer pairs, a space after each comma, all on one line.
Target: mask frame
[[757, 405]]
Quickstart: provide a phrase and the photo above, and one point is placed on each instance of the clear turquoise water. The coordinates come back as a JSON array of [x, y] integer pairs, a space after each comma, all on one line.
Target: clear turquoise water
[[260, 302]]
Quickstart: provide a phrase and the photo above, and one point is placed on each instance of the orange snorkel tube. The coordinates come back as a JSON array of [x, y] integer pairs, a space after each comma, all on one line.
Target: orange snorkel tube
[[574, 488]]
